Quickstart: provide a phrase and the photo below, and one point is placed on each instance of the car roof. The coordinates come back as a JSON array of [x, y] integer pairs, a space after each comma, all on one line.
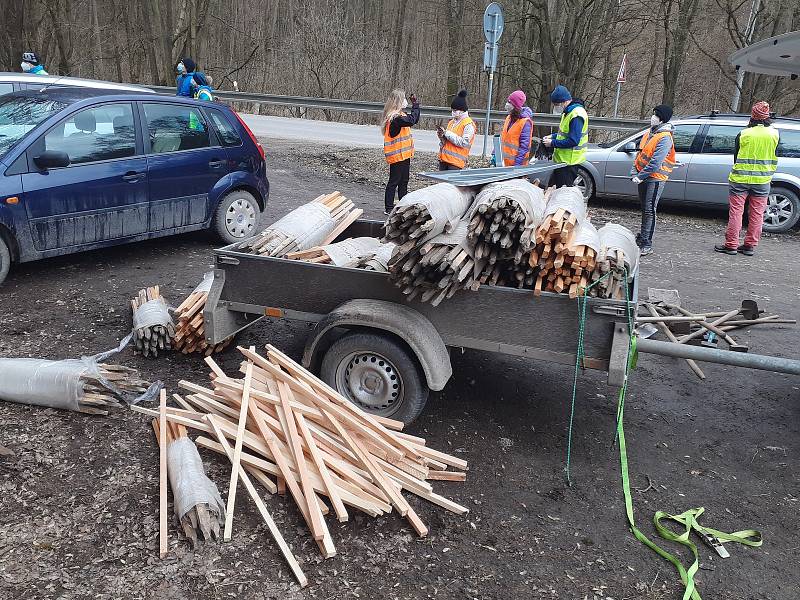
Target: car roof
[[737, 119], [30, 78], [67, 95]]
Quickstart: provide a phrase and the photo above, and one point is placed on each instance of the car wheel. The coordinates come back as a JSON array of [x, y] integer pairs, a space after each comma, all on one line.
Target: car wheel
[[237, 217], [376, 374], [5, 260], [585, 183], [783, 210]]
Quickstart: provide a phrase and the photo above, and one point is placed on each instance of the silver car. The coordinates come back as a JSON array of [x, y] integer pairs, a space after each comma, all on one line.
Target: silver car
[[16, 82], [704, 148]]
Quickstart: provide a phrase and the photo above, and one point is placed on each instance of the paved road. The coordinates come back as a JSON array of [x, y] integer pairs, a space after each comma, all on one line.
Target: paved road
[[340, 134]]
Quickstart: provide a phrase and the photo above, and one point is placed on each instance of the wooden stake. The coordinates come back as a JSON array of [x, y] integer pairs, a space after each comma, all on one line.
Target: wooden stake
[[237, 454]]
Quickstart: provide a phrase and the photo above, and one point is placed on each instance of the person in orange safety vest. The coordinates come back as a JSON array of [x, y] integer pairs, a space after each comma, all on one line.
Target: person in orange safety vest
[[398, 143], [456, 141], [515, 137]]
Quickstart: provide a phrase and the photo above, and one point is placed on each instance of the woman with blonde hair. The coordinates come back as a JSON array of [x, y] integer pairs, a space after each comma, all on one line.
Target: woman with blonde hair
[[398, 144]]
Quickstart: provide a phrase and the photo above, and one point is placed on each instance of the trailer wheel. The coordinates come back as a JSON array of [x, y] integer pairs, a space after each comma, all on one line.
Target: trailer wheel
[[376, 374], [5, 260]]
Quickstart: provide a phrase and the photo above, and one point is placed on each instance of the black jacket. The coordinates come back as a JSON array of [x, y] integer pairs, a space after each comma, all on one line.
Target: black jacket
[[404, 120]]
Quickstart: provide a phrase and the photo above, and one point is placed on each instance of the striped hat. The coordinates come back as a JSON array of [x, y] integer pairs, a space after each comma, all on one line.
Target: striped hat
[[760, 111]]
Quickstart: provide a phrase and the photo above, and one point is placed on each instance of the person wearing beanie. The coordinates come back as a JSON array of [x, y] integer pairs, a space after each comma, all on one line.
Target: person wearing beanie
[[183, 83], [31, 63], [569, 144], [515, 137], [651, 170], [755, 161], [456, 141], [398, 144], [201, 85]]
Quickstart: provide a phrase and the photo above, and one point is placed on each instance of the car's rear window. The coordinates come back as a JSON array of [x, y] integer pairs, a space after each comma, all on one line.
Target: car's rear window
[[226, 132], [20, 114], [789, 146]]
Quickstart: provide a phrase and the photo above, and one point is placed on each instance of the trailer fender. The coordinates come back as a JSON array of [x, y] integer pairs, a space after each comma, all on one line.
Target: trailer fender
[[417, 332]]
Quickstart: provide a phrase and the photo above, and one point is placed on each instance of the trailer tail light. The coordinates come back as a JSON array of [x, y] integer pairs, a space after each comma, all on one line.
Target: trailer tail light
[[271, 311], [252, 136]]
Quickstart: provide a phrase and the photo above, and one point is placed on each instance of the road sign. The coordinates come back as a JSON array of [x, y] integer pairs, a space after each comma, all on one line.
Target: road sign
[[490, 52], [493, 23], [623, 69]]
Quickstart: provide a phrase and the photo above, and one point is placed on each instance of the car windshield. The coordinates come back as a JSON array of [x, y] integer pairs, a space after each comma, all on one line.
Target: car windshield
[[20, 114]]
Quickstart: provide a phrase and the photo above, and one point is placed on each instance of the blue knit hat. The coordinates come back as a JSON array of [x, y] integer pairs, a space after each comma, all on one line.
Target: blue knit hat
[[560, 94]]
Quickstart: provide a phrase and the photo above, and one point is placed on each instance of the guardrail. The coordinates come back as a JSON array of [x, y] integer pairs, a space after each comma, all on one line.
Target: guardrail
[[435, 112]]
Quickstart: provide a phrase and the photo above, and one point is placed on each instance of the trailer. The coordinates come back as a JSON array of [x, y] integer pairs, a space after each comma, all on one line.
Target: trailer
[[384, 353]]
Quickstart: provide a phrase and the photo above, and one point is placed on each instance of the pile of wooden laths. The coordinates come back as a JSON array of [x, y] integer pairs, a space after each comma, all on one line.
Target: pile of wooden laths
[[281, 421], [153, 329], [433, 259], [616, 264], [316, 223], [502, 224], [190, 331], [359, 253], [81, 385]]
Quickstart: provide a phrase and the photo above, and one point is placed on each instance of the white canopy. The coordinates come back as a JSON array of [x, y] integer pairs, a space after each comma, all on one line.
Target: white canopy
[[779, 55]]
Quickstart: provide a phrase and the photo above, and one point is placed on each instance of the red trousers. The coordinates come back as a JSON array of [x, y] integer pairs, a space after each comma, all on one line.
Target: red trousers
[[755, 220]]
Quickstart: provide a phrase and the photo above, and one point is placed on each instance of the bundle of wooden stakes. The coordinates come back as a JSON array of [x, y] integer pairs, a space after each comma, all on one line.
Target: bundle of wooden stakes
[[97, 396], [315, 443], [435, 270], [190, 331], [562, 266], [200, 517], [498, 233], [611, 262], [151, 338], [275, 242], [408, 223]]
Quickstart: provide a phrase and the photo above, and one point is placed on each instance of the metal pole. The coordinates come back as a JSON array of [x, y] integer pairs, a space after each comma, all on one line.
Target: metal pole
[[722, 357], [486, 131], [616, 102], [751, 25]]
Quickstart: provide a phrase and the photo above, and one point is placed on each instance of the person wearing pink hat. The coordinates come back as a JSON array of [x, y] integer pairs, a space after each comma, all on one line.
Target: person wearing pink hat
[[755, 160], [515, 137]]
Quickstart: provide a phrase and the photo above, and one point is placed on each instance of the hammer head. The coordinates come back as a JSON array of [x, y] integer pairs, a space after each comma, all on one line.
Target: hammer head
[[749, 309]]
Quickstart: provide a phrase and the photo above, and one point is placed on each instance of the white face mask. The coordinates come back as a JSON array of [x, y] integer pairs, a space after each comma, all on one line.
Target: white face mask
[[26, 66], [654, 121], [457, 114], [558, 109], [181, 68], [509, 107], [405, 103]]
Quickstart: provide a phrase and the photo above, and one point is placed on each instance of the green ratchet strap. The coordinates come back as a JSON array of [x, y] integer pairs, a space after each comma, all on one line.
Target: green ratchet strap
[[687, 519]]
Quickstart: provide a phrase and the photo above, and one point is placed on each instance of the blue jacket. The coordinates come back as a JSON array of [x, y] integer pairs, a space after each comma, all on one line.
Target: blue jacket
[[524, 137], [575, 129], [204, 92], [184, 85]]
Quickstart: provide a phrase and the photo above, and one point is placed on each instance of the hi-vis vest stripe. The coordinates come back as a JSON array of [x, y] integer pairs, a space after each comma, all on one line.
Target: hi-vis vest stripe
[[576, 155], [401, 147], [509, 140], [452, 154], [647, 146], [757, 159]]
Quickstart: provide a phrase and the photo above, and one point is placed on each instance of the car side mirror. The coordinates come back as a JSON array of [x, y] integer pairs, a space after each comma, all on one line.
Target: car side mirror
[[52, 159], [629, 147]]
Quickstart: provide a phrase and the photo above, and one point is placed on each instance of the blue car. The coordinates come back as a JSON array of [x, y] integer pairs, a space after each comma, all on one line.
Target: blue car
[[84, 169]]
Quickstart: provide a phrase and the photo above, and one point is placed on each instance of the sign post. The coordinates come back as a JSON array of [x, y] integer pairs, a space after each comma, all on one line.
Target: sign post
[[492, 29], [623, 68]]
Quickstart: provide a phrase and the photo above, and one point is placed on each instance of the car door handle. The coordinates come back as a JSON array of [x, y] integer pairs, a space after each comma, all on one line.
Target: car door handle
[[216, 164], [132, 176]]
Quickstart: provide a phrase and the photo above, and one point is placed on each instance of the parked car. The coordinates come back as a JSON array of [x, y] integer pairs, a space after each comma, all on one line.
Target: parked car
[[83, 169], [17, 82], [704, 147]]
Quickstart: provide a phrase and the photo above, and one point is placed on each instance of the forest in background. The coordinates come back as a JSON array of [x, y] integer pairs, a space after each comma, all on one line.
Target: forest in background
[[360, 49]]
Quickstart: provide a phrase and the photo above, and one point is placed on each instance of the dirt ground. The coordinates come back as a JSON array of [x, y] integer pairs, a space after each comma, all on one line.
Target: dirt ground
[[79, 500]]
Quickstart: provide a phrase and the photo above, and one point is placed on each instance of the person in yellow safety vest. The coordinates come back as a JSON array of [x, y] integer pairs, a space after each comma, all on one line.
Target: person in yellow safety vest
[[569, 144], [456, 141], [651, 169], [515, 137], [398, 143], [755, 160]]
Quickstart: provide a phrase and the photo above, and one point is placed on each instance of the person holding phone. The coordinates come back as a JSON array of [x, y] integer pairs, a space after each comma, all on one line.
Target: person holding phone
[[398, 143]]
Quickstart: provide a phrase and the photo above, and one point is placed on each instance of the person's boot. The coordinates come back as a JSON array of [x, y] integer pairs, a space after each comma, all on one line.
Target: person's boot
[[746, 250], [646, 251], [724, 249]]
